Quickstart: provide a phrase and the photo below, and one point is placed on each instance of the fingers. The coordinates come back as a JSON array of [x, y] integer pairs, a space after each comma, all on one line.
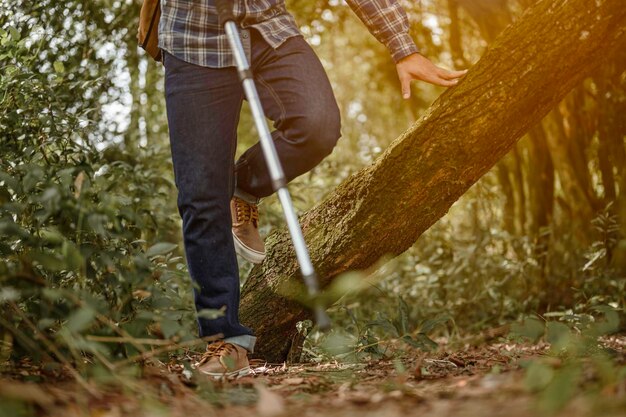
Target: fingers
[[445, 78], [436, 79], [405, 83], [445, 83], [432, 74], [450, 75]]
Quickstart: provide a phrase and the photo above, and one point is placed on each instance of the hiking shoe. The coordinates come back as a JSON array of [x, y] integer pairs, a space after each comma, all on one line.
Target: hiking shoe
[[224, 360], [248, 242]]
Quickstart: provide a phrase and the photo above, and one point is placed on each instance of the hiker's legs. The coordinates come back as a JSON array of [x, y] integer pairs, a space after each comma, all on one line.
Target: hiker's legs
[[203, 106], [297, 96]]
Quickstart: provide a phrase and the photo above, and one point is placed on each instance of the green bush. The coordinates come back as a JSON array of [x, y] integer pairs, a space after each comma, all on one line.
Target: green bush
[[84, 229]]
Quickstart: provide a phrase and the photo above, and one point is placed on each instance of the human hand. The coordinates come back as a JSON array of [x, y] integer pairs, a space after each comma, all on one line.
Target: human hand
[[418, 67]]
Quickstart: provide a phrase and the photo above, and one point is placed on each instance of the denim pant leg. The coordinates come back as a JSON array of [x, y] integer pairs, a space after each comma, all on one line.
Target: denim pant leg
[[297, 96], [203, 106]]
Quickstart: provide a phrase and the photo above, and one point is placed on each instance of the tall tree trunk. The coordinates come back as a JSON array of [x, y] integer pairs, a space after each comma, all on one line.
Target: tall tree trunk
[[540, 195], [456, 47], [611, 88], [508, 208], [518, 186], [384, 208], [573, 192], [541, 181], [580, 132], [604, 138]]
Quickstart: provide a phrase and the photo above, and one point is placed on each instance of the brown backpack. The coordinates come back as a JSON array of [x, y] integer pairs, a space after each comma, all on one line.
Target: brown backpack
[[148, 35]]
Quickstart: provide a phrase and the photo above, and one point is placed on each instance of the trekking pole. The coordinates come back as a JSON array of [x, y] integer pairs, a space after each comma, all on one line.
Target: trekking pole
[[279, 182]]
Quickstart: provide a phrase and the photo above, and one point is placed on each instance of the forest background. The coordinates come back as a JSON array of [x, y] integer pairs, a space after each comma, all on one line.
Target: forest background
[[91, 249]]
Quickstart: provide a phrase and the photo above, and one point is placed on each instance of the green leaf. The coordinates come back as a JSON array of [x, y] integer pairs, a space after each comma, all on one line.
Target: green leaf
[[558, 334], [52, 294], [97, 223], [538, 376], [51, 200], [421, 341], [34, 174], [170, 327], [160, 248], [210, 314], [10, 228], [430, 324], [15, 34], [531, 328], [52, 236], [80, 320], [50, 262], [161, 302], [339, 342], [88, 346], [385, 324], [343, 284], [72, 255], [609, 324], [14, 208], [45, 323], [561, 388], [403, 316], [141, 262], [59, 67], [9, 181]]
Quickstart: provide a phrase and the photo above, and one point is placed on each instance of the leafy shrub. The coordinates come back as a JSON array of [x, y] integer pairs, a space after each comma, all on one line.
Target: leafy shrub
[[83, 229], [576, 357]]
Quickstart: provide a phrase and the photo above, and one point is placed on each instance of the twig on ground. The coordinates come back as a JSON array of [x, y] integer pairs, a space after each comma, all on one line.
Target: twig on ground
[[53, 349], [113, 339], [172, 347]]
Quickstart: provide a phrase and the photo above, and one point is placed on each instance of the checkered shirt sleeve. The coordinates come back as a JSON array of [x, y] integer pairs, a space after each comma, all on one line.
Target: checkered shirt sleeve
[[388, 22]]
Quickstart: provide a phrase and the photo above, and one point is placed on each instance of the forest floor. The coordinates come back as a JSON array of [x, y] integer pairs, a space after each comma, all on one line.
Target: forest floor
[[486, 380]]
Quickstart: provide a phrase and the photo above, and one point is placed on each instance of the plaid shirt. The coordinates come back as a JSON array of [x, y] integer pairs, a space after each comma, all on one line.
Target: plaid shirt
[[189, 29]]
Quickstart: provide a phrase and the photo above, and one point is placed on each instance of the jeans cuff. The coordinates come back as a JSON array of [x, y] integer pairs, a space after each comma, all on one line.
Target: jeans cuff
[[246, 341], [239, 193]]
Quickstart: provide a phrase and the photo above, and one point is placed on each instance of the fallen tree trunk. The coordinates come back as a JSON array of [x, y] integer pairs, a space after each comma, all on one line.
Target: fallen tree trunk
[[384, 208]]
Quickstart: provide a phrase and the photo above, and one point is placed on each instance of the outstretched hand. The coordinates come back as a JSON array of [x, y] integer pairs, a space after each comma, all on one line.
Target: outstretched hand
[[418, 67]]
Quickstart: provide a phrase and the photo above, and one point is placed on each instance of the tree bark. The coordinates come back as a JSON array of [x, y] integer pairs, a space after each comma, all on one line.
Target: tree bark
[[383, 209]]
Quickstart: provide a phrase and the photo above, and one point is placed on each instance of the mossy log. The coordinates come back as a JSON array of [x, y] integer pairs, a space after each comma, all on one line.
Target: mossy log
[[384, 208]]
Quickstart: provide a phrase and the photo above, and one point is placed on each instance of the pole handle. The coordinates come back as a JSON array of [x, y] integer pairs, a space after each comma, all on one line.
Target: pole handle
[[225, 10]]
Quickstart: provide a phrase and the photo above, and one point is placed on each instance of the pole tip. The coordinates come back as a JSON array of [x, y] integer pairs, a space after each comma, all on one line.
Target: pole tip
[[321, 319]]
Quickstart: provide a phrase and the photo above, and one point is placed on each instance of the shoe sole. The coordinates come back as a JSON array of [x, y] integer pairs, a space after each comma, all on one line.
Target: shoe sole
[[247, 253], [228, 375]]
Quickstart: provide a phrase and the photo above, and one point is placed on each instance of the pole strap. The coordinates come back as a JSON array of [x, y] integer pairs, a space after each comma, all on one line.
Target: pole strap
[[245, 74], [279, 183]]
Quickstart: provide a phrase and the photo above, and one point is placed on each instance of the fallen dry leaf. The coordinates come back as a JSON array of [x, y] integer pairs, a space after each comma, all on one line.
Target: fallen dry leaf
[[25, 392], [269, 404], [293, 381]]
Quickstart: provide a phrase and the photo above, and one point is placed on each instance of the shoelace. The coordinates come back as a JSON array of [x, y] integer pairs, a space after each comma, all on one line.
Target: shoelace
[[246, 212], [216, 349]]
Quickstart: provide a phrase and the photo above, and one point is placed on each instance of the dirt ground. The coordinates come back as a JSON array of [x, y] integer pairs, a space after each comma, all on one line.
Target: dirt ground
[[470, 381]]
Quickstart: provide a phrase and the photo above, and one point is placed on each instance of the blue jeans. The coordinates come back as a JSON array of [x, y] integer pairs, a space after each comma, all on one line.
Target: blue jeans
[[203, 106]]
